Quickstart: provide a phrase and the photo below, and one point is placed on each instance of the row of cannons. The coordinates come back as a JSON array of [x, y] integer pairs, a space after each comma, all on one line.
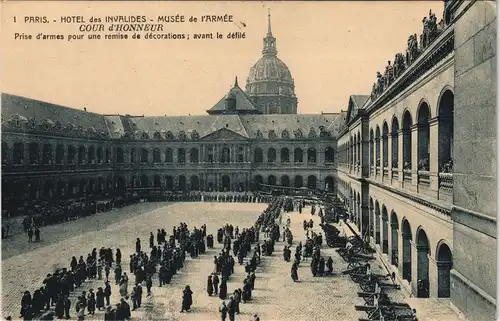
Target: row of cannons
[[375, 288]]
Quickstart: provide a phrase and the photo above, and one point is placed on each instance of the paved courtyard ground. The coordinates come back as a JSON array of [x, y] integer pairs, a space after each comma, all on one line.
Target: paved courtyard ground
[[276, 296]]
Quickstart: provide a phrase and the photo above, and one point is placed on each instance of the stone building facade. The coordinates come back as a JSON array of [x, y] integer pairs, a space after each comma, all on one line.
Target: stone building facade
[[417, 160], [52, 153]]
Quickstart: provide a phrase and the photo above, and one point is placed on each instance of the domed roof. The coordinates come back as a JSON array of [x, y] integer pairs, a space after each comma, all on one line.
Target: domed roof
[[269, 68]]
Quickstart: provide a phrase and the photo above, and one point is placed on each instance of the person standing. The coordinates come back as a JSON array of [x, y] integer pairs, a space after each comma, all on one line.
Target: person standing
[[223, 311], [210, 286], [215, 281], [187, 299]]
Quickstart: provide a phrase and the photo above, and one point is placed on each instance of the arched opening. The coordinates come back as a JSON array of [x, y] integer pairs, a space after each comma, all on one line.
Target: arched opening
[[385, 230], [240, 155], [372, 148], [91, 155], [59, 154], [271, 155], [48, 189], [99, 155], [445, 130], [395, 142], [444, 264], [33, 152], [423, 137], [181, 156], [61, 185], [108, 155], [311, 182], [81, 155], [354, 151], [329, 184], [135, 182], [144, 155], [119, 156], [33, 189], [285, 180], [194, 156], [359, 148], [157, 181], [156, 156], [169, 155], [329, 155], [358, 213], [132, 156], [47, 154], [120, 185], [394, 238], [271, 180], [377, 223], [298, 155], [182, 183], [144, 181], [285, 155], [225, 156], [422, 264], [169, 183], [377, 146], [407, 123], [407, 238], [258, 156], [226, 183], [311, 155], [210, 155], [385, 145], [372, 218], [298, 181], [195, 183], [258, 181]]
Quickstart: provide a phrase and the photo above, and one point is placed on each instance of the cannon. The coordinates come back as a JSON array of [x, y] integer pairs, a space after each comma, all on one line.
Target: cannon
[[355, 269], [332, 236]]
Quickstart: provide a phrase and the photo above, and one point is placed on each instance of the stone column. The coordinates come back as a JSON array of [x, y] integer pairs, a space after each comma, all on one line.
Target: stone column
[[434, 153], [433, 276], [406, 253], [414, 268], [442, 280]]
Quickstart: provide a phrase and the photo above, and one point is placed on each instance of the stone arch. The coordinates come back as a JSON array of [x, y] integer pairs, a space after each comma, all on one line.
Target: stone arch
[[169, 183], [285, 180], [385, 230], [226, 183], [182, 183], [311, 155], [271, 180], [445, 130], [385, 144], [285, 155], [407, 145], [311, 182], [298, 181], [144, 181], [225, 156], [372, 148], [377, 222], [144, 155], [407, 256], [394, 239], [329, 155], [195, 183], [258, 156], [329, 184], [372, 218], [181, 156], [423, 136], [444, 262], [258, 179], [194, 156], [156, 180], [271, 155], [156, 155], [169, 155], [298, 155], [395, 141], [423, 252]]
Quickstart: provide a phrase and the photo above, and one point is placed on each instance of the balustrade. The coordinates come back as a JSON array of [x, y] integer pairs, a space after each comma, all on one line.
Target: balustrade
[[407, 175], [446, 181], [386, 172], [424, 177]]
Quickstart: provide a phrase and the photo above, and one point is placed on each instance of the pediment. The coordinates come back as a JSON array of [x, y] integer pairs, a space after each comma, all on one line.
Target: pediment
[[223, 134]]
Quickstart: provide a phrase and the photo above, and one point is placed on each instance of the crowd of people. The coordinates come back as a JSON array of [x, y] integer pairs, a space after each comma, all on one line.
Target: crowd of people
[[164, 259]]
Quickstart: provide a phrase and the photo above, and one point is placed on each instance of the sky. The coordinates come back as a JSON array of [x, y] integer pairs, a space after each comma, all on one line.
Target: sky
[[333, 50]]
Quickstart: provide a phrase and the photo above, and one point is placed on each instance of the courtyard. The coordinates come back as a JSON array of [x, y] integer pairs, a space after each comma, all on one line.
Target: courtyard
[[276, 296]]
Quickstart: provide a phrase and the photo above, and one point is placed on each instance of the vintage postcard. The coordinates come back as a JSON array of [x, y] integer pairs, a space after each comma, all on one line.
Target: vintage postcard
[[244, 160]]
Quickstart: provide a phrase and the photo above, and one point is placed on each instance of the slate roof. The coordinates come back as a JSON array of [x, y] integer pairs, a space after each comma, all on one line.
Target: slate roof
[[40, 112], [243, 102], [118, 126]]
